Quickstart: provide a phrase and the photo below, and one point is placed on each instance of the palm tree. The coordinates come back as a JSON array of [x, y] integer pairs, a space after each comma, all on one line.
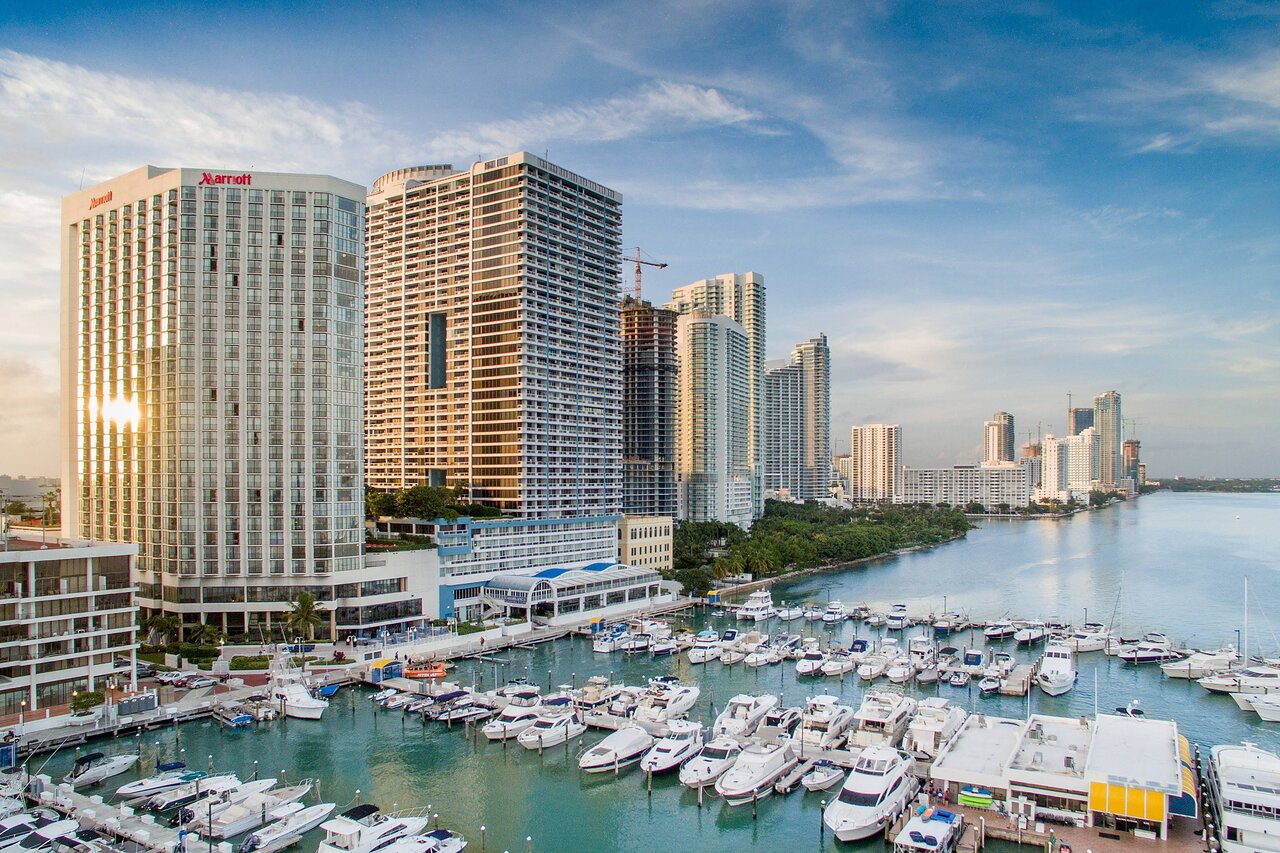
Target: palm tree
[[305, 615], [202, 632], [169, 627]]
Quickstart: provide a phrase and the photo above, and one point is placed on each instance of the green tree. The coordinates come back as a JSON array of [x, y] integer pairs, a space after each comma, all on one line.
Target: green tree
[[202, 633], [305, 615], [164, 627], [16, 507]]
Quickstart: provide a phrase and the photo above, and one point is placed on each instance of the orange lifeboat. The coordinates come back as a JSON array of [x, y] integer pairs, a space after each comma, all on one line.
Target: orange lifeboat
[[424, 670]]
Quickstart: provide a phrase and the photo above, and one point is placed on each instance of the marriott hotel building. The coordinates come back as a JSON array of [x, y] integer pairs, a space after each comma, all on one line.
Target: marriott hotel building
[[212, 385]]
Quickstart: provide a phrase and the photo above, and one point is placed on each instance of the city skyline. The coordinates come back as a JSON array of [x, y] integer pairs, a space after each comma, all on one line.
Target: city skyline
[[1099, 201]]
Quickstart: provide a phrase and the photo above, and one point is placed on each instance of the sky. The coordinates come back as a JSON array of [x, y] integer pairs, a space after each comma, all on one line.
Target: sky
[[982, 208]]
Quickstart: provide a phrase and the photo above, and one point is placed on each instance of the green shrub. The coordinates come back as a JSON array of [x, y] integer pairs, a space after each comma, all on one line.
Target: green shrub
[[241, 662], [193, 651], [86, 700]]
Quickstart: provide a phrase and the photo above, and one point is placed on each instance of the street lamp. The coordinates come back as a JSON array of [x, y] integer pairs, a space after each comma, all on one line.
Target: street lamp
[[22, 718]]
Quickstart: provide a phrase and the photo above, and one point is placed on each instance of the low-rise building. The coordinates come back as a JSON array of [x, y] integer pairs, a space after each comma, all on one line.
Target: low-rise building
[[989, 485], [564, 595], [645, 541]]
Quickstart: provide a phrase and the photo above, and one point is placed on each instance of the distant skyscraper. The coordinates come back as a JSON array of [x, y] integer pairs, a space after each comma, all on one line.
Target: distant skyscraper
[[492, 328], [740, 297], [1107, 421], [713, 458], [874, 462], [1068, 465], [998, 438], [649, 374], [844, 467], [797, 400], [1132, 453], [1079, 420], [211, 352]]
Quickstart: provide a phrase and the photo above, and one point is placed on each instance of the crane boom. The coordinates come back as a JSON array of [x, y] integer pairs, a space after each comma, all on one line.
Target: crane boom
[[639, 262]]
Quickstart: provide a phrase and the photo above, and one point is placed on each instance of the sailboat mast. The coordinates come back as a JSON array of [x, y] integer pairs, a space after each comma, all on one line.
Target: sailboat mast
[[1244, 653]]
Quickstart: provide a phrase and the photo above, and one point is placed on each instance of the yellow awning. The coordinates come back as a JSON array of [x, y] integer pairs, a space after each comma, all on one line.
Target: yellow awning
[[380, 664]]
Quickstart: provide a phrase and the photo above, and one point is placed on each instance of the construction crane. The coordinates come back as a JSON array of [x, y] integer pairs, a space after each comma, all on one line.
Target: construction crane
[[1133, 423], [639, 263]]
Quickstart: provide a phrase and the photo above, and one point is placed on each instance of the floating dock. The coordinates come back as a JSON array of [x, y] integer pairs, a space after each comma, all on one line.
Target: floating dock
[[1017, 682]]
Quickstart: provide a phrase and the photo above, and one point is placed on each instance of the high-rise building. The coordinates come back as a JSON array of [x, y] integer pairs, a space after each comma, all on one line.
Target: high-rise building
[[844, 468], [492, 336], [998, 438], [1132, 459], [1079, 420], [1068, 466], [648, 409], [740, 297], [1031, 457], [211, 386], [1107, 421], [713, 448], [874, 462], [797, 399]]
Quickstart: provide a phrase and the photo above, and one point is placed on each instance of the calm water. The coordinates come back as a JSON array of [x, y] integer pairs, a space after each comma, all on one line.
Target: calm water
[[1167, 562]]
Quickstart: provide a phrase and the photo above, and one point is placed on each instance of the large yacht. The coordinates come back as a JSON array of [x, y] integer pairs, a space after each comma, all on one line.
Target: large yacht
[[288, 689], [1057, 672], [881, 784], [1201, 664], [933, 727], [364, 828], [1092, 637], [758, 607], [882, 719], [753, 775], [742, 715], [1261, 678], [823, 724], [1244, 791], [834, 612]]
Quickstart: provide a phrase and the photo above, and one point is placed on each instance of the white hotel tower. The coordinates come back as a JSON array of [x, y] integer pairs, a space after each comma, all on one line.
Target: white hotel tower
[[211, 387]]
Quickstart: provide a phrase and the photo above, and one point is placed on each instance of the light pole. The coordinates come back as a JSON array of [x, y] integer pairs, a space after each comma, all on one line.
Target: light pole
[[22, 718]]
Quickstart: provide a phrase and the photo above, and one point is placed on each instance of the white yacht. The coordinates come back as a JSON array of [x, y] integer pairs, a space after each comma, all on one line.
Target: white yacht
[[762, 655], [834, 613], [15, 828], [1244, 790], [288, 689], [897, 618], [682, 740], [933, 726], [435, 841], [1200, 664], [218, 801], [286, 832], [922, 652], [706, 646], [666, 699], [814, 614], [1260, 678], [882, 718], [710, 762], [742, 715], [634, 644], [192, 791], [753, 775], [609, 639], [812, 661], [838, 662], [618, 711], [1152, 648], [1092, 637], [522, 710], [246, 814], [758, 606], [931, 831], [43, 837], [1030, 633], [789, 613], [1057, 673], [171, 775], [622, 748], [874, 665], [95, 767], [824, 723], [557, 723], [1001, 629], [901, 669], [1267, 705], [364, 829], [881, 784]]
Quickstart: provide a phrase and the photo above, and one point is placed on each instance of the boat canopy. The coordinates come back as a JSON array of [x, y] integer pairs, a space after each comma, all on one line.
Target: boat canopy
[[170, 765], [88, 759]]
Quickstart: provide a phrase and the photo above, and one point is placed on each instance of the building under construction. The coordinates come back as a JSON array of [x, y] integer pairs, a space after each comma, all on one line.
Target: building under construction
[[648, 408]]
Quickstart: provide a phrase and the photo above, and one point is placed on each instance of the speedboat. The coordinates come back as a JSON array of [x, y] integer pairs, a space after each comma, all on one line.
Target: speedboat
[[781, 721], [465, 710], [435, 841], [400, 700], [758, 606], [681, 742], [873, 666], [897, 618], [192, 791], [790, 613], [521, 712], [443, 702], [814, 614], [557, 723], [999, 630], [742, 714], [875, 619], [710, 762], [607, 641], [811, 663], [822, 775], [236, 818], [823, 724], [664, 646], [833, 613], [364, 829], [1092, 637], [17, 827], [959, 678], [42, 837], [288, 689], [283, 833], [594, 695], [383, 695], [95, 767], [1261, 678], [1057, 673], [763, 654], [706, 646], [635, 643], [618, 711], [935, 723], [901, 670], [1030, 633], [657, 629], [1152, 648], [946, 624], [859, 649], [1200, 664], [989, 684], [666, 699], [753, 775], [171, 775], [621, 748], [216, 802], [930, 830], [880, 786], [882, 718], [838, 662]]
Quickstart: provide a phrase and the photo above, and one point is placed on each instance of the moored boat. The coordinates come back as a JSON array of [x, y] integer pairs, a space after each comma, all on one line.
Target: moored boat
[[753, 775], [95, 767], [880, 786], [621, 748]]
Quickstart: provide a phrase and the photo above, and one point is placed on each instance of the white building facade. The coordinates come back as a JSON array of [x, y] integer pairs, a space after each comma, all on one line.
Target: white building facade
[[873, 462], [797, 454], [989, 485]]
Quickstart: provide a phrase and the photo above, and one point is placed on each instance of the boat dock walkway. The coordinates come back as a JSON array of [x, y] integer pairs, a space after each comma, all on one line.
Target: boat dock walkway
[[1017, 682]]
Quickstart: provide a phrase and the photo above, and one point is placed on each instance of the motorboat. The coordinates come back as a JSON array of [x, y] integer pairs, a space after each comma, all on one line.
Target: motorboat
[[839, 662], [467, 709], [1242, 781], [621, 748], [710, 762], [288, 689], [286, 832], [897, 619], [383, 695], [1260, 678], [811, 663], [1002, 663], [435, 841], [1057, 672], [365, 828], [657, 629], [706, 646], [781, 721], [247, 814], [947, 624], [742, 714], [95, 767], [666, 699], [1031, 633], [428, 670], [824, 724], [608, 640], [834, 613], [789, 613], [595, 694], [1201, 664], [1001, 629], [875, 619], [948, 658], [859, 649], [732, 655], [1092, 637], [635, 643], [663, 646], [901, 670], [233, 715], [83, 841], [170, 775], [787, 645], [17, 827], [928, 675], [729, 639], [618, 712], [1266, 705], [758, 607], [878, 788], [814, 614], [216, 802], [443, 702], [1152, 648], [959, 678], [974, 661], [14, 781], [400, 700], [762, 655], [682, 740], [521, 712], [882, 718], [184, 794], [753, 775], [874, 665], [822, 776], [936, 722], [557, 723], [990, 683], [42, 837], [930, 830], [922, 652]]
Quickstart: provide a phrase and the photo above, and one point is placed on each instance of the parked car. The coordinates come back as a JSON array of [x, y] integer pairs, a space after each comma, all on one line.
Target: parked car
[[171, 677], [302, 648], [199, 681]]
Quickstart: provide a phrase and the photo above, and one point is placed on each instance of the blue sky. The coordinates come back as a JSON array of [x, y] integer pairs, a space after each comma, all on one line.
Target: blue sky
[[982, 209]]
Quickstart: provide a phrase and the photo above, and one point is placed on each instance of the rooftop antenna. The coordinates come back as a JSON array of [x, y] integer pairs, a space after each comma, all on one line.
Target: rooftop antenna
[[82, 173]]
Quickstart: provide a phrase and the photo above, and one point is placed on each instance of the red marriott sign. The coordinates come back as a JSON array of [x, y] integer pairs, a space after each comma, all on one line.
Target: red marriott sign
[[97, 200], [210, 178]]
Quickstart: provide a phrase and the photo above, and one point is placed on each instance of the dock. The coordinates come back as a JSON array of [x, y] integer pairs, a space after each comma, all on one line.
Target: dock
[[788, 783], [1017, 682]]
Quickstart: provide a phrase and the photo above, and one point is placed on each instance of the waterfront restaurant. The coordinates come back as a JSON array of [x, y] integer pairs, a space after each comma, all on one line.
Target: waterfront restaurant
[[559, 596], [1115, 772]]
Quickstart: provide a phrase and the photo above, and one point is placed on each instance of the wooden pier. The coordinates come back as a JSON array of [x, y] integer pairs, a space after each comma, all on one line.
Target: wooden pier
[[1017, 682]]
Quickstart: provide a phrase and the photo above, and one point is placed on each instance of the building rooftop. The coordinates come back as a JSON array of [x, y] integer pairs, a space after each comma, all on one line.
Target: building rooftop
[[1056, 745], [981, 749], [1138, 752]]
